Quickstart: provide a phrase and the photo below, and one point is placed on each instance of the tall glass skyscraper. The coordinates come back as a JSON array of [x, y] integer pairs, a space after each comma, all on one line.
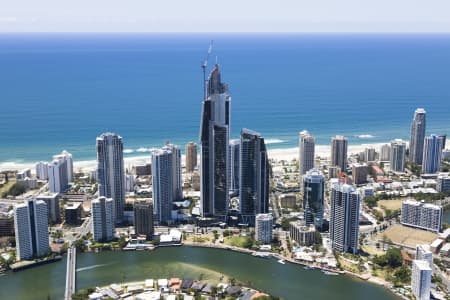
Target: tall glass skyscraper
[[214, 137], [344, 218], [306, 152], [432, 153], [339, 146], [31, 229], [313, 197], [397, 160], [418, 126], [176, 171], [253, 176], [111, 175], [162, 184]]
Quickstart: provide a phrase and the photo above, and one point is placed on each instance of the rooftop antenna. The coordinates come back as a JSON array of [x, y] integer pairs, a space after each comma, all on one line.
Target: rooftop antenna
[[204, 65]]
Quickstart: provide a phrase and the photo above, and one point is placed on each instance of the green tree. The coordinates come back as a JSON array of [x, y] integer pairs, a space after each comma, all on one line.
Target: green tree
[[402, 275], [394, 257]]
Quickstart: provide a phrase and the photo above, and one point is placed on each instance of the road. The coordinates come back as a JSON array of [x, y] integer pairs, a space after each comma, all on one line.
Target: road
[[70, 272]]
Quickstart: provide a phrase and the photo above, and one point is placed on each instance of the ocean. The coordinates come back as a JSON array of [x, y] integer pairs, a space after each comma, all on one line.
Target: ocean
[[60, 91]]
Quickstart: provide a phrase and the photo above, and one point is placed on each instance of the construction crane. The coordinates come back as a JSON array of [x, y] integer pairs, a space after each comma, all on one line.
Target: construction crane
[[204, 65]]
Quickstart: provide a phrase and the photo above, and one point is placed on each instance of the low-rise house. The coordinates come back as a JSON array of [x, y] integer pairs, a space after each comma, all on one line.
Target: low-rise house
[[186, 284]]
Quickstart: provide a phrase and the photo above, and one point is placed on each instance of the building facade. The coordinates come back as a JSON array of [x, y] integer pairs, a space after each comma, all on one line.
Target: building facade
[[111, 172], [31, 229], [359, 173], [370, 154], [306, 152], [177, 182], [416, 141], [421, 215], [397, 159], [344, 218], [42, 170], [191, 156], [52, 201], [423, 252], [432, 154], [162, 184], [263, 228], [143, 218], [253, 176], [73, 213], [421, 279], [67, 157], [234, 155], [313, 197], [304, 235], [385, 154], [443, 183], [58, 181], [339, 146], [214, 137], [102, 213]]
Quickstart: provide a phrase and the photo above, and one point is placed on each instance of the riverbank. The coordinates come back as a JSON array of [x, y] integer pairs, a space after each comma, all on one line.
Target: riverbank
[[267, 275], [364, 277]]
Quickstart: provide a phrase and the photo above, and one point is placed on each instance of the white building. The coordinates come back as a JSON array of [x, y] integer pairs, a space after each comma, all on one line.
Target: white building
[[421, 215], [306, 152], [31, 229], [397, 158], [443, 183], [421, 279], [162, 184], [423, 252], [41, 170], [263, 228], [102, 213], [67, 157], [111, 172], [344, 218], [57, 176]]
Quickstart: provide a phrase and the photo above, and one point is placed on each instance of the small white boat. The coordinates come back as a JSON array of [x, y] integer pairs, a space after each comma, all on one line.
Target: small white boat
[[308, 268], [281, 261], [329, 273]]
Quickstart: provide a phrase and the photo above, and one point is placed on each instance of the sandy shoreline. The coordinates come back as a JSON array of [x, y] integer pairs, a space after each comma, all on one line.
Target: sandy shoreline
[[277, 154]]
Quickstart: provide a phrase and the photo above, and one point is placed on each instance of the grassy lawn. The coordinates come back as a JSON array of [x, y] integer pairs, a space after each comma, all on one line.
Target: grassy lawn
[[408, 236], [373, 250], [390, 204], [237, 241], [7, 186]]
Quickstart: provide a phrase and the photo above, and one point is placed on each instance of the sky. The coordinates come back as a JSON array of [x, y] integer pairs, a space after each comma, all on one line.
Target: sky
[[225, 16]]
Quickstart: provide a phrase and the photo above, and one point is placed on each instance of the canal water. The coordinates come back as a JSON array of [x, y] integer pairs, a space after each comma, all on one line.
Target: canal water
[[288, 281]]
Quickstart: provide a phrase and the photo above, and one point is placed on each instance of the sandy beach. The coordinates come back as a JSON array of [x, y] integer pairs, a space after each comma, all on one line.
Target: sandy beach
[[276, 154]]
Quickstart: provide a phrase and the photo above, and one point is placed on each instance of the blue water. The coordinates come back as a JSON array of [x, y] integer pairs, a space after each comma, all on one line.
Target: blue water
[[61, 91]]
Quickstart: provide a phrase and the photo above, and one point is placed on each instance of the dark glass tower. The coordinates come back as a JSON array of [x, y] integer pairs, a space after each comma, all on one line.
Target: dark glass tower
[[253, 177], [313, 197], [214, 137]]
